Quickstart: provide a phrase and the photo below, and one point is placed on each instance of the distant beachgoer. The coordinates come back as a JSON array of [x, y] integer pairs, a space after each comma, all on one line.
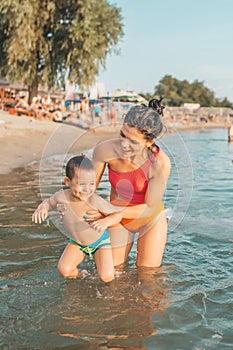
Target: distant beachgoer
[[22, 103], [68, 118], [185, 120], [113, 114], [97, 111], [33, 106], [84, 105], [138, 171], [85, 240], [62, 105], [203, 119], [230, 133], [57, 116]]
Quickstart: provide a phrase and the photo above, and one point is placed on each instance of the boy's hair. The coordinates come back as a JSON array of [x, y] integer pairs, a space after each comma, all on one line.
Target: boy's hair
[[80, 162]]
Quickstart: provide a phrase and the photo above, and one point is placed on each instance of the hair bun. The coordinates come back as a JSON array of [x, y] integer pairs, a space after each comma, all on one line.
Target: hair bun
[[156, 105]]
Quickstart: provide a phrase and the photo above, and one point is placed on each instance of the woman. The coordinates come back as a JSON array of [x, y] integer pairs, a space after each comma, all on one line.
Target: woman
[[138, 171]]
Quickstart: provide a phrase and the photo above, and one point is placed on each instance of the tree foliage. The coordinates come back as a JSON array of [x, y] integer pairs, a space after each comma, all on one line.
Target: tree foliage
[[44, 40], [177, 92]]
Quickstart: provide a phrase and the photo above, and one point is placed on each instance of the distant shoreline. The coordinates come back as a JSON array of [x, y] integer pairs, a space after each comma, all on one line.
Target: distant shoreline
[[24, 139]]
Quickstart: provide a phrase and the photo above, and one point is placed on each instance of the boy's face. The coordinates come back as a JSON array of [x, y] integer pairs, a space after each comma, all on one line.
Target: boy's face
[[82, 184]]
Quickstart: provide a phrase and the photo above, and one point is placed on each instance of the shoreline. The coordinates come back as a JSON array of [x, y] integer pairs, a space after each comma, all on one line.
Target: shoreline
[[26, 139]]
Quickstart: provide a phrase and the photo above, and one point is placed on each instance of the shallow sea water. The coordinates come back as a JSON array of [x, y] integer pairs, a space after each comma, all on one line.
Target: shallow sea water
[[186, 304]]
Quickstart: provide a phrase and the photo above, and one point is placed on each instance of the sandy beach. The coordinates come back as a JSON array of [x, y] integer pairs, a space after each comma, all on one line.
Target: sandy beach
[[25, 139]]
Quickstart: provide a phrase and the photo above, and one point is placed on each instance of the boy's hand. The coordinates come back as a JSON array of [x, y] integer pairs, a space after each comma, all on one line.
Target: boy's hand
[[40, 214]]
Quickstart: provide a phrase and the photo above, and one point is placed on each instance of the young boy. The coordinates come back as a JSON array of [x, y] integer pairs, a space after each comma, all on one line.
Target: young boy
[[84, 239]]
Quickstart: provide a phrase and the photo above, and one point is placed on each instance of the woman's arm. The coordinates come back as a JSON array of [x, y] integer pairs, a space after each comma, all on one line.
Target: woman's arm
[[105, 208], [160, 172], [106, 214], [99, 162], [110, 220]]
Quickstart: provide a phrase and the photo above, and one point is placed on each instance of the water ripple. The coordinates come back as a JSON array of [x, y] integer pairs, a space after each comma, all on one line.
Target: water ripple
[[186, 304]]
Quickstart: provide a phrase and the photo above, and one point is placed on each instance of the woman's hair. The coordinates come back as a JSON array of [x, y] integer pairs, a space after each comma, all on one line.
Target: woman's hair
[[147, 119], [80, 162]]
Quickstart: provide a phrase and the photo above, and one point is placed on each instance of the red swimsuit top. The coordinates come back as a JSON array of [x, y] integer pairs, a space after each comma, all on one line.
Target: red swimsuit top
[[131, 186]]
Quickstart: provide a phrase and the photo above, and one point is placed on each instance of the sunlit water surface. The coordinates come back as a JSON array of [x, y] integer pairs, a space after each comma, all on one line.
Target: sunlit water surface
[[187, 304]]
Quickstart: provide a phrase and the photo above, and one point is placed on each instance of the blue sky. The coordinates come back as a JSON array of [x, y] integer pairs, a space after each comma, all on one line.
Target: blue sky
[[188, 39]]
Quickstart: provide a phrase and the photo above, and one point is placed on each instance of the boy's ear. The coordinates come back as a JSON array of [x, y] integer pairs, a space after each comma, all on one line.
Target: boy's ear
[[67, 181]]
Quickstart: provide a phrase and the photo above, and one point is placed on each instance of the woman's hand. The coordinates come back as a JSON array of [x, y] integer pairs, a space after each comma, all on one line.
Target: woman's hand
[[102, 224], [93, 215]]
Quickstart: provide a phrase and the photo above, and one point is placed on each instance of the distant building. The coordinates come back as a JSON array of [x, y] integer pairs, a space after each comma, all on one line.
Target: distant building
[[191, 107], [127, 96]]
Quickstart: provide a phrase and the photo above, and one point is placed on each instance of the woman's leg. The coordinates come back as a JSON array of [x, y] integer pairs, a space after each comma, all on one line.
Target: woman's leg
[[121, 242], [151, 243], [104, 264], [71, 257]]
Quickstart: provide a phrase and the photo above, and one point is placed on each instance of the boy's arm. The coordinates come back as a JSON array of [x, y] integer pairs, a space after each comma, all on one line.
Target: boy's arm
[[41, 213]]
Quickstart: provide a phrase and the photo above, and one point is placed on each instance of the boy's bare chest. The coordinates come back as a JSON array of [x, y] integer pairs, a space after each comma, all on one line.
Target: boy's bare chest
[[76, 211]]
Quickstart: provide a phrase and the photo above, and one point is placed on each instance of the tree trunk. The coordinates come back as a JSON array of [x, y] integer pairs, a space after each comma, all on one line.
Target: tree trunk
[[33, 90]]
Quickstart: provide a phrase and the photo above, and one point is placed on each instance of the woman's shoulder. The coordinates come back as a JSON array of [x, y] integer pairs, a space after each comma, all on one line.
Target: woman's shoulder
[[162, 160], [106, 148]]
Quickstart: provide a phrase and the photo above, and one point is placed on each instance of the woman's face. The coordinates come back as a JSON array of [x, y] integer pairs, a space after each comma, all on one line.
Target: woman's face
[[132, 141]]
